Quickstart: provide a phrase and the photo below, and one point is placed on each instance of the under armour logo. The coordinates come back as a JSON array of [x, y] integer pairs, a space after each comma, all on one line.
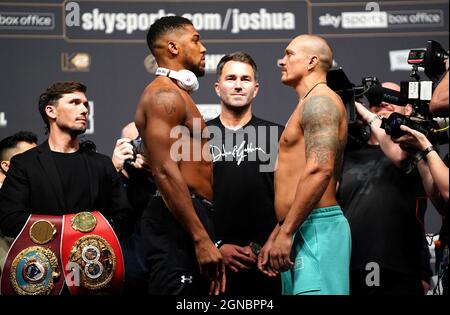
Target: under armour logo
[[184, 279]]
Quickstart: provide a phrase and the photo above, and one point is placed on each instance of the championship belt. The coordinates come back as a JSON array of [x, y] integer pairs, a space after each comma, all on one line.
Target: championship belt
[[92, 255], [32, 266]]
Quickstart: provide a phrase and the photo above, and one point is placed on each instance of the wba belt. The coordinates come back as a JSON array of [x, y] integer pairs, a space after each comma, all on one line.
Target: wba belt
[[84, 243], [33, 265]]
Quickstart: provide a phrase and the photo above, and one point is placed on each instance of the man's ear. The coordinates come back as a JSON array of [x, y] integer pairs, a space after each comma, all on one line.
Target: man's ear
[[313, 62], [4, 165], [50, 110], [173, 48], [217, 89], [256, 90]]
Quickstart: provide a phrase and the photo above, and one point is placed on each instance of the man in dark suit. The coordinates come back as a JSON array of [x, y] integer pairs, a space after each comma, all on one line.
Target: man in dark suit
[[62, 176]]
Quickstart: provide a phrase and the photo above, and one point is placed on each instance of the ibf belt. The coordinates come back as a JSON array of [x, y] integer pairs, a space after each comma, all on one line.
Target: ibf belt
[[32, 266], [92, 255]]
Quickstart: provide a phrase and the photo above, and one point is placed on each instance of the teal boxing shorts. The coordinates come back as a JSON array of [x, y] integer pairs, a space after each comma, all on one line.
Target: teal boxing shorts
[[321, 250]]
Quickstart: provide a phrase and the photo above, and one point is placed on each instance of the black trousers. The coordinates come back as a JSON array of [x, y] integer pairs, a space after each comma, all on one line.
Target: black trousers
[[169, 250]]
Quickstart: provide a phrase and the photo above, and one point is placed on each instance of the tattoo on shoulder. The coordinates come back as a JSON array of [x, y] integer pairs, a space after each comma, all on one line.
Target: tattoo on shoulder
[[320, 123], [166, 98]]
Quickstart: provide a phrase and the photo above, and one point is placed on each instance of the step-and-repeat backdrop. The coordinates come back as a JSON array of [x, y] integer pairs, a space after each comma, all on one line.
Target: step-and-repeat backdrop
[[102, 44]]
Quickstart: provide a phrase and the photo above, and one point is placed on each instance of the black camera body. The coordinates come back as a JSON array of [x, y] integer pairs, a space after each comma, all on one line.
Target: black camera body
[[418, 93], [428, 127], [392, 126], [358, 133], [431, 59], [138, 148]]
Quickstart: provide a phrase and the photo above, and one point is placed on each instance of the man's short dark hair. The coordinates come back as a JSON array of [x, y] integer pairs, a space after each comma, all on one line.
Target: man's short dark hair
[[12, 141], [54, 93], [239, 56], [162, 26]]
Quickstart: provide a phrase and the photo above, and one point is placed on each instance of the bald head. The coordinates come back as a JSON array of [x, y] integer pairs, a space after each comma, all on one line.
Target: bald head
[[315, 45], [391, 86]]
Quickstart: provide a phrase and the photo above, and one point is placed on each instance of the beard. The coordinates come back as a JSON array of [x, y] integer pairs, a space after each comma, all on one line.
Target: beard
[[198, 70]]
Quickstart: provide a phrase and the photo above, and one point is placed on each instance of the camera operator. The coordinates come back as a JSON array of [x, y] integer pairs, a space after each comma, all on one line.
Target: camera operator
[[131, 165], [439, 104], [379, 200], [434, 173]]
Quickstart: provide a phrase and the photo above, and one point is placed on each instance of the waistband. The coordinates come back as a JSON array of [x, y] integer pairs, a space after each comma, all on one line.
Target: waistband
[[193, 196], [325, 212]]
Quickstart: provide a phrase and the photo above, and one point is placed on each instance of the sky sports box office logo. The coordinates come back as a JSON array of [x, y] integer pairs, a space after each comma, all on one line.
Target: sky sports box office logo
[[374, 17], [27, 20], [361, 20]]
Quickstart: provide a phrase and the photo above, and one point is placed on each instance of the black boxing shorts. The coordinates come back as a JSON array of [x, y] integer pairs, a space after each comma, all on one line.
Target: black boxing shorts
[[169, 250]]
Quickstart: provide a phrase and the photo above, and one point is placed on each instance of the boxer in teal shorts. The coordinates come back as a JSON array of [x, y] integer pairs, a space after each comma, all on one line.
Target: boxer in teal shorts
[[311, 244]]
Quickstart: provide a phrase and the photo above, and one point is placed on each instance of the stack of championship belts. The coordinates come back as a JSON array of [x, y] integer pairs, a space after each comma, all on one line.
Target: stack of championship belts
[[80, 250]]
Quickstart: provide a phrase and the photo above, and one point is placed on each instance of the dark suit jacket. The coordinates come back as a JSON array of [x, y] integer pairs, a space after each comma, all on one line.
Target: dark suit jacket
[[33, 185]]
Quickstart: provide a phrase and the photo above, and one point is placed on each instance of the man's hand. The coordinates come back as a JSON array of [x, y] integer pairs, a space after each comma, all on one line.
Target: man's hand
[[211, 265], [123, 151], [263, 259], [413, 139], [140, 162], [280, 253], [237, 258]]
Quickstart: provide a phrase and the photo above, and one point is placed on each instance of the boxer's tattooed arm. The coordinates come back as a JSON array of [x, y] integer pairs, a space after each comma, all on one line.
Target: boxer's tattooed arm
[[320, 123]]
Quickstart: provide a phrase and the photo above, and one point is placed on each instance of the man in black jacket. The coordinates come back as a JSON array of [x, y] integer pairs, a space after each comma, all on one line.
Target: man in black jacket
[[62, 176]]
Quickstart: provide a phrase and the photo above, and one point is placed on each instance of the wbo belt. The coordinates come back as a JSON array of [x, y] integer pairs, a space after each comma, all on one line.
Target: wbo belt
[[193, 196], [33, 264]]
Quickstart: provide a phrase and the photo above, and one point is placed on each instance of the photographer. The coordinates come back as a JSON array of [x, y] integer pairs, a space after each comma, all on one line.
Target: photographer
[[131, 166], [380, 202], [435, 178]]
